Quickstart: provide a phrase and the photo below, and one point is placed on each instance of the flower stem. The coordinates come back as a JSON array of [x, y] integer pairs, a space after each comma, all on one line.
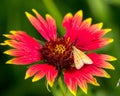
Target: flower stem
[[61, 86]]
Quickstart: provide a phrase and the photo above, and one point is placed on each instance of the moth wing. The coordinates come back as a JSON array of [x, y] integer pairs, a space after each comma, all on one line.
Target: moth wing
[[85, 58], [77, 59], [80, 58]]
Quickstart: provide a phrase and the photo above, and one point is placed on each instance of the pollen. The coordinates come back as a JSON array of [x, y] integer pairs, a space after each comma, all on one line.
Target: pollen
[[60, 49]]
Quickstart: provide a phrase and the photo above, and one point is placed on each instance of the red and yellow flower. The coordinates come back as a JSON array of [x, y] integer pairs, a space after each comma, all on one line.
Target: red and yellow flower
[[70, 55]]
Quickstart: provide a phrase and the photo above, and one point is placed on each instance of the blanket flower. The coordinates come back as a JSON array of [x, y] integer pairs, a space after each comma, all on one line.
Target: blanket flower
[[71, 55]]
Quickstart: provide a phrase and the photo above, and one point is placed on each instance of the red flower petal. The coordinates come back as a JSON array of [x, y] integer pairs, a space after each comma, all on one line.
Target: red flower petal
[[92, 45], [82, 83], [25, 59], [81, 77], [95, 71], [26, 49], [72, 78], [84, 35], [22, 37], [72, 25], [81, 34], [40, 70], [67, 24], [46, 28], [70, 81], [51, 26], [100, 60]]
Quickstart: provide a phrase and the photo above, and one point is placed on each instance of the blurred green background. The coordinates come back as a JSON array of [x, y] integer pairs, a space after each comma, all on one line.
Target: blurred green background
[[12, 17]]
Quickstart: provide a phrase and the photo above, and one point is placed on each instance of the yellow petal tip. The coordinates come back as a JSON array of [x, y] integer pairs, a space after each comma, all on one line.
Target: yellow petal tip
[[110, 40], [107, 76], [96, 83], [107, 30], [26, 76], [48, 16], [100, 25], [73, 92], [50, 84], [85, 91], [112, 68], [6, 35], [6, 52], [35, 79], [3, 44], [13, 32], [35, 11], [112, 58], [80, 12], [89, 20], [28, 14], [7, 42], [9, 62], [69, 15]]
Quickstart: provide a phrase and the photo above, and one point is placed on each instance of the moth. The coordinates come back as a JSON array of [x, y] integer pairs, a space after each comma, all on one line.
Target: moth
[[80, 58]]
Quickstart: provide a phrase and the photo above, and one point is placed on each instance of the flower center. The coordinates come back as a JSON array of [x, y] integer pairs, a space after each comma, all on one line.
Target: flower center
[[59, 49], [58, 53]]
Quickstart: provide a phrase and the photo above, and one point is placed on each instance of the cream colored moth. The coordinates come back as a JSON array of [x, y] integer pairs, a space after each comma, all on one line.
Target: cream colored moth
[[80, 58]]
